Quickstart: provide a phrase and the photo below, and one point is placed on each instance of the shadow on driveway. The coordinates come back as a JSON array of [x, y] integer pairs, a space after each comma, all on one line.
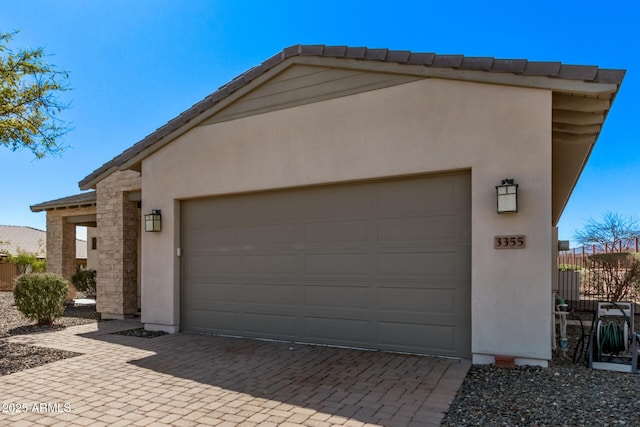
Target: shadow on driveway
[[335, 384]]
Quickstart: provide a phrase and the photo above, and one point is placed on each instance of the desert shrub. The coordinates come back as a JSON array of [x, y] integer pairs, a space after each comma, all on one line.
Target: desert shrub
[[41, 296], [85, 281], [615, 276]]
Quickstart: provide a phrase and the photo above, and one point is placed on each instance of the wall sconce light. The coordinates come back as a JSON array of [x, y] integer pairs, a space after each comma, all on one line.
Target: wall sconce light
[[153, 221], [507, 194]]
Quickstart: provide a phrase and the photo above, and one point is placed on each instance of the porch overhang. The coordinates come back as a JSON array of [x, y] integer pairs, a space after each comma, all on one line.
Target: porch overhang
[[82, 200]]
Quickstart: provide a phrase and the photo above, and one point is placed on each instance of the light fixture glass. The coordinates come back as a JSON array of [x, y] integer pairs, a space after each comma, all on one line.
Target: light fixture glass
[[153, 221], [507, 194]]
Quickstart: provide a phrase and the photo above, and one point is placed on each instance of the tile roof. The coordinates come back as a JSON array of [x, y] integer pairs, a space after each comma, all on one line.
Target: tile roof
[[82, 199], [518, 67], [16, 237]]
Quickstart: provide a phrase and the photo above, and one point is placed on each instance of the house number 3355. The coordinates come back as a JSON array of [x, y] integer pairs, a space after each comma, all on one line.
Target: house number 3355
[[509, 242]]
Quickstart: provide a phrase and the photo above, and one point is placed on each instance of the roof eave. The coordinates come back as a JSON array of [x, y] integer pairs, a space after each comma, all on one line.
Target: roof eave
[[77, 201], [567, 197]]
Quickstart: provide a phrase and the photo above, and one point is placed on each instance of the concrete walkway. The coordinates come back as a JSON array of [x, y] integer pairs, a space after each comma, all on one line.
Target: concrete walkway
[[191, 380]]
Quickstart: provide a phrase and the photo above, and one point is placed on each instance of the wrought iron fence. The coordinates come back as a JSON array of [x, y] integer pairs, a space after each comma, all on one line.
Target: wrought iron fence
[[590, 274]]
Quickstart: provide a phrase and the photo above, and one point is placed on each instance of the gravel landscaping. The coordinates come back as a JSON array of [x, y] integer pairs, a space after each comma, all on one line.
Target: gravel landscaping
[[565, 394], [16, 357], [141, 333]]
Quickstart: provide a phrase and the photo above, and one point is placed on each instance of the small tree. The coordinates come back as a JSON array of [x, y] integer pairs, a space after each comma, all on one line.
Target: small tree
[[28, 262], [609, 233], [41, 296], [29, 103], [614, 275]]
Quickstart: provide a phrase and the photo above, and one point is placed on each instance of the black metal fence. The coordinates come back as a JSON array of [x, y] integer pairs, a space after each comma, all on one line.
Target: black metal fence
[[590, 274]]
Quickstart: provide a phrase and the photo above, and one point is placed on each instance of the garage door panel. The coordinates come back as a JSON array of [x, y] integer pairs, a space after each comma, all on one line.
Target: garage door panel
[[205, 292], [441, 339], [337, 263], [339, 331], [317, 204], [339, 313], [270, 294], [333, 204], [436, 228], [434, 264], [265, 209], [463, 229], [463, 265], [432, 300], [331, 296], [271, 234], [269, 264], [379, 265], [270, 324], [202, 265], [224, 238], [225, 214], [452, 318], [224, 321], [336, 231], [412, 198]]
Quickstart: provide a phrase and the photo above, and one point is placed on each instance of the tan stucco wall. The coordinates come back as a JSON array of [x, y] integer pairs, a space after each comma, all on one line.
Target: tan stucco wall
[[426, 126], [92, 254]]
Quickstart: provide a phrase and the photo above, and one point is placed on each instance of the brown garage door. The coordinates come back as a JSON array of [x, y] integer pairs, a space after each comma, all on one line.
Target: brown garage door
[[383, 265]]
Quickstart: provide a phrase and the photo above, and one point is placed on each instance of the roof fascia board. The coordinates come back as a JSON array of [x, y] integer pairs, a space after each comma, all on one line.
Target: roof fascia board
[[62, 206], [510, 79]]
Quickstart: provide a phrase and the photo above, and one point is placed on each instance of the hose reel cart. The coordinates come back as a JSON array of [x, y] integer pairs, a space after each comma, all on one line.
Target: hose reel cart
[[613, 345]]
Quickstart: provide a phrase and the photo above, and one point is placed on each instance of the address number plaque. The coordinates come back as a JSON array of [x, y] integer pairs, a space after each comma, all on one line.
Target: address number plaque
[[517, 241]]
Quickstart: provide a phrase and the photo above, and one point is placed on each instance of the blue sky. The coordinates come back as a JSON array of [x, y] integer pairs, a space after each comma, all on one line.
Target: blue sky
[[134, 65]]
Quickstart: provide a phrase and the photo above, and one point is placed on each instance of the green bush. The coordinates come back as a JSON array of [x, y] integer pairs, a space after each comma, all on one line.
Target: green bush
[[41, 296], [85, 281], [28, 262], [568, 267]]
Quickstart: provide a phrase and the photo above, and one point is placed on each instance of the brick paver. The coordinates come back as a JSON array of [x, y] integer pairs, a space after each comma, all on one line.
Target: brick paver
[[189, 380]]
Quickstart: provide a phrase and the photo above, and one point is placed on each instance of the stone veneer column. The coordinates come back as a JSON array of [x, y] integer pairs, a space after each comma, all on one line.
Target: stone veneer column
[[117, 220], [61, 245]]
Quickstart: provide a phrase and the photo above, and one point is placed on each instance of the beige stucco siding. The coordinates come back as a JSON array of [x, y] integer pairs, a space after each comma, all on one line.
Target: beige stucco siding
[[421, 127], [92, 254]]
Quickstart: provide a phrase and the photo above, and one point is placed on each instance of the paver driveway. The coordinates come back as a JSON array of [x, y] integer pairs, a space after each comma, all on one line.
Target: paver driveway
[[186, 380]]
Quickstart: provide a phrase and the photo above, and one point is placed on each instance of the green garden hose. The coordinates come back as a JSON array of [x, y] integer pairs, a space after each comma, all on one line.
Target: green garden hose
[[611, 336]]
